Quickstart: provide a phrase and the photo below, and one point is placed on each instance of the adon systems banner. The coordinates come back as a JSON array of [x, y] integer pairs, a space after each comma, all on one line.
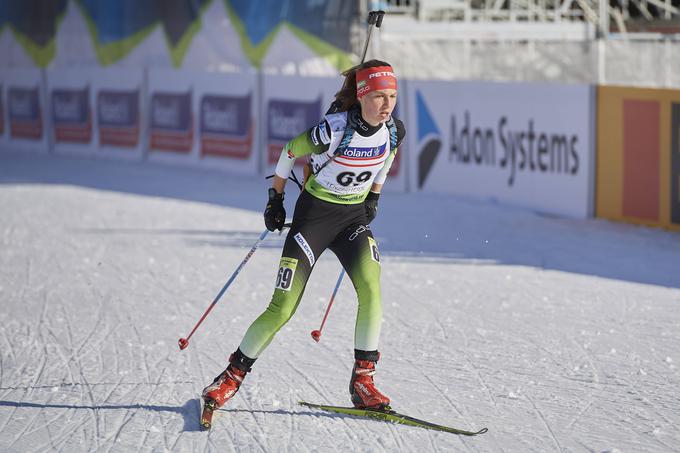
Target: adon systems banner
[[522, 144]]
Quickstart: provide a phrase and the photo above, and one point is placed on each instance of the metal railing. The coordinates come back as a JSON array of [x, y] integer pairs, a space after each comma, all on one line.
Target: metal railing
[[624, 16]]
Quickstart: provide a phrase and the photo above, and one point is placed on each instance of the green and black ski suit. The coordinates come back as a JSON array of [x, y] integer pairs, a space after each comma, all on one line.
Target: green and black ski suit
[[330, 214]]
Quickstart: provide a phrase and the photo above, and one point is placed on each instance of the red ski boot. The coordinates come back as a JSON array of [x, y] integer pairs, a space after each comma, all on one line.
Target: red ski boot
[[361, 387], [225, 386]]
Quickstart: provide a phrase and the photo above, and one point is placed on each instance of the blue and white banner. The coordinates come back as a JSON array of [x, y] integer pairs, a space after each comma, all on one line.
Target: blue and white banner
[[25, 117], [3, 116], [525, 144], [118, 111], [227, 121], [170, 115], [70, 97], [291, 105]]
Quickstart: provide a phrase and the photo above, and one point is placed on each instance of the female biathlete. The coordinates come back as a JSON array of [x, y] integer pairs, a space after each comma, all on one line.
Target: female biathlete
[[350, 154]]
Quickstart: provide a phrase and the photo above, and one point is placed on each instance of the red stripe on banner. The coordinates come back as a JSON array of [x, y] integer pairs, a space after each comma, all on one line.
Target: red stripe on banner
[[169, 141], [641, 157], [224, 146], [29, 130], [73, 134], [125, 138]]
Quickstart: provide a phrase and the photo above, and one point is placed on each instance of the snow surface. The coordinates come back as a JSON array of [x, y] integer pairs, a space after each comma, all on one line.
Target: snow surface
[[557, 335]]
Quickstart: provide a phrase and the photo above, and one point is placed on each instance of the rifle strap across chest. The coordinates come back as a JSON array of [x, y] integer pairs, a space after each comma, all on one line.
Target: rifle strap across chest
[[348, 134]]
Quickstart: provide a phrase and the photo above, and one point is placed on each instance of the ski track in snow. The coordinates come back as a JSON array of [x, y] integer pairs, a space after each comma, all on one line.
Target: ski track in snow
[[556, 334]]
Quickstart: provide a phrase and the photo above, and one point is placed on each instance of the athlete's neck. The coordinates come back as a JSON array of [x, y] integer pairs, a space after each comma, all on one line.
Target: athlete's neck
[[364, 127]]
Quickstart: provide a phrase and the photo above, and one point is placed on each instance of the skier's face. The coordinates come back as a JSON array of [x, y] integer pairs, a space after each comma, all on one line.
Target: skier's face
[[377, 106]]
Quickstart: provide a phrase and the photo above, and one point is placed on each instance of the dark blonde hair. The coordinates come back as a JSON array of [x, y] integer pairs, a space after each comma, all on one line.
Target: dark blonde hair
[[346, 98]]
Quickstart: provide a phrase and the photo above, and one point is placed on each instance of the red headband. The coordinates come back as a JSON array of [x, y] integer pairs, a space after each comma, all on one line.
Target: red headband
[[372, 79]]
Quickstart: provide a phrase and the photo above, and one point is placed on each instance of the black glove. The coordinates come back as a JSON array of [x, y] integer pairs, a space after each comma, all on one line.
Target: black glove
[[371, 206], [274, 213]]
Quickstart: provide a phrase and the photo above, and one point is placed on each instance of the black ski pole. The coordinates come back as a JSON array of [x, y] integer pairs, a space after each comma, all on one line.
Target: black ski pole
[[375, 19]]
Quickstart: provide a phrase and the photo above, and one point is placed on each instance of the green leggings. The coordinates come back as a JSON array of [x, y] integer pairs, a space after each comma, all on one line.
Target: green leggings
[[318, 225]]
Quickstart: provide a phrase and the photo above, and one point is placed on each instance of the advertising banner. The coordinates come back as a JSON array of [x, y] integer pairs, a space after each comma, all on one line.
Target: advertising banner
[[284, 116], [118, 117], [675, 165], [70, 101], [172, 127], [638, 155], [2, 108], [227, 126], [118, 103], [25, 110], [71, 115], [523, 144], [291, 105], [398, 175], [171, 116]]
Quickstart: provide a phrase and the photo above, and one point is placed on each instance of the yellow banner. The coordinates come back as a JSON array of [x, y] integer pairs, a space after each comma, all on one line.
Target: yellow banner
[[638, 156]]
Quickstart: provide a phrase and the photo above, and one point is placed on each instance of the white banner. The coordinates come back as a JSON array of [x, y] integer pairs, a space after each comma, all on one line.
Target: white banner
[[523, 144], [206, 119], [291, 105], [24, 110], [70, 108], [120, 124], [226, 121], [171, 118], [397, 179], [4, 123]]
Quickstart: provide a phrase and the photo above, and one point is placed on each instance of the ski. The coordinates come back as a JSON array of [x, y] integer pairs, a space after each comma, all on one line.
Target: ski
[[207, 414], [389, 415]]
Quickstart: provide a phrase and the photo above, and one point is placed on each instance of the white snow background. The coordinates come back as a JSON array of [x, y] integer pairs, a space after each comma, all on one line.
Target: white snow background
[[555, 334]]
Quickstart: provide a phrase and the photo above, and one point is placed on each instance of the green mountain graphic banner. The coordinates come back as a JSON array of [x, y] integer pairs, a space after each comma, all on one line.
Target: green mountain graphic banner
[[34, 24], [116, 27], [323, 26]]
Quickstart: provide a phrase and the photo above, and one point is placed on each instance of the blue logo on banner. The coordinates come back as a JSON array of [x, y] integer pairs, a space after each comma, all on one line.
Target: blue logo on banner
[[25, 115], [364, 153], [118, 116], [430, 139], [226, 125], [285, 120], [171, 122]]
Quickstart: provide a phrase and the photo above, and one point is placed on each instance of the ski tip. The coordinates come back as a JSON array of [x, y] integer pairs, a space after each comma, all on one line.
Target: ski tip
[[482, 431]]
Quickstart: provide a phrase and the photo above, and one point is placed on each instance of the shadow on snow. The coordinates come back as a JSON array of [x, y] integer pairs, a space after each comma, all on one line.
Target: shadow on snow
[[190, 411]]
